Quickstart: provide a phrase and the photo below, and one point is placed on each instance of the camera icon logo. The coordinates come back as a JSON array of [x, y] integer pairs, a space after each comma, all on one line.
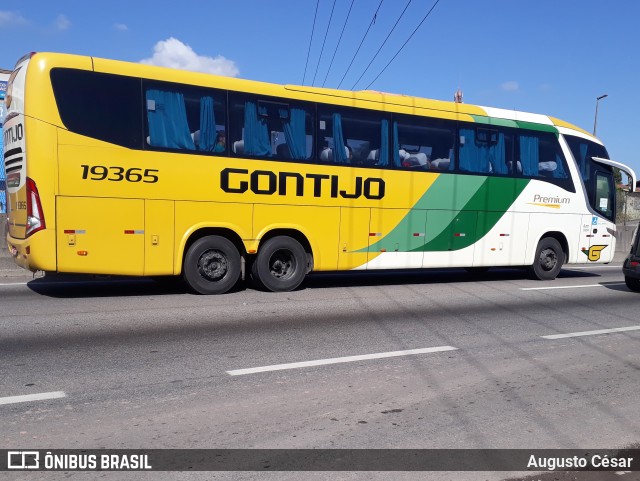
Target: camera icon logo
[[23, 460]]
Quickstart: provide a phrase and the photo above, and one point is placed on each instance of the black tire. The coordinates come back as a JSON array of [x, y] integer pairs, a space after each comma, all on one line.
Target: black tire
[[212, 265], [548, 260], [632, 283], [280, 266]]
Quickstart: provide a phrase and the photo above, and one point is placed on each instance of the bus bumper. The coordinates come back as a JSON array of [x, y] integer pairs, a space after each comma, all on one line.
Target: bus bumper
[[35, 253]]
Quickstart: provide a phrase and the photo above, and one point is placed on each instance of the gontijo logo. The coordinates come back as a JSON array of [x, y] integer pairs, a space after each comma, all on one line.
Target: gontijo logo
[[265, 182], [593, 253]]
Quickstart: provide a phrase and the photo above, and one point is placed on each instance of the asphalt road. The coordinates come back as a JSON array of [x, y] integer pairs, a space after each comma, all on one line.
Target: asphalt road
[[139, 365]]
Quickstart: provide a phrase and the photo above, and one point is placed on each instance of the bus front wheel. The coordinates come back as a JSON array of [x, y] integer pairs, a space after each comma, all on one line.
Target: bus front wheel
[[212, 265], [548, 260], [281, 264]]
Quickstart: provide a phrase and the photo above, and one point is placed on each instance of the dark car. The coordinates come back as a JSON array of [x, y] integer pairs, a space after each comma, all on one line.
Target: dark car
[[631, 266]]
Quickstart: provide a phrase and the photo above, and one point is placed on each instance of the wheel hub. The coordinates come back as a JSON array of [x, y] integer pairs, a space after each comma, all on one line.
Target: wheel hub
[[213, 265], [548, 259], [282, 264]]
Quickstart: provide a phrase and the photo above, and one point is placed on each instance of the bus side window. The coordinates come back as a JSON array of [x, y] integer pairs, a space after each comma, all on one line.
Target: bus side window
[[423, 143], [185, 118], [291, 128], [332, 146], [270, 127], [353, 136], [484, 150], [540, 156], [86, 104], [167, 120]]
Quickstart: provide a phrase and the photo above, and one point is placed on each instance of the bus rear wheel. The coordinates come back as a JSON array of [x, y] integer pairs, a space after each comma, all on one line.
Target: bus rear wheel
[[281, 265], [212, 265], [548, 260]]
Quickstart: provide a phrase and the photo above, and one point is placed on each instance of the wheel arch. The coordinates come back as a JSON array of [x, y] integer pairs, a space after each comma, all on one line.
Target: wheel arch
[[557, 235], [562, 239], [296, 234], [203, 231]]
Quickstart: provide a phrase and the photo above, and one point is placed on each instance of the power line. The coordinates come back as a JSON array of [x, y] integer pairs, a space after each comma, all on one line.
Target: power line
[[404, 44], [373, 20], [339, 40], [323, 42], [310, 40], [383, 43]]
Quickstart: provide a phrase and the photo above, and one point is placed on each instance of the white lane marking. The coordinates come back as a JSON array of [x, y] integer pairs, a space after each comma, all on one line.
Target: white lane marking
[[592, 333], [338, 360], [14, 284], [571, 287], [32, 397]]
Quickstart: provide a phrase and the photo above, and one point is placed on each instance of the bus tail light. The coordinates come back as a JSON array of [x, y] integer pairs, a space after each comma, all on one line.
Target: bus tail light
[[35, 215]]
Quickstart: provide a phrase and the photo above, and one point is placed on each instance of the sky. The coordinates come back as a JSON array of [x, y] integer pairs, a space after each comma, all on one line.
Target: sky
[[549, 57]]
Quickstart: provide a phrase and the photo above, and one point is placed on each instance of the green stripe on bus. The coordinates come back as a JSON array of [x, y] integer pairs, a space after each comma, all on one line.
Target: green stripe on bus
[[518, 124], [478, 216], [458, 210], [480, 119]]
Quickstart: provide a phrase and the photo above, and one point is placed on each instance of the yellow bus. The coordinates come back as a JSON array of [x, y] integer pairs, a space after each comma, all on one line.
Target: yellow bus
[[129, 169]]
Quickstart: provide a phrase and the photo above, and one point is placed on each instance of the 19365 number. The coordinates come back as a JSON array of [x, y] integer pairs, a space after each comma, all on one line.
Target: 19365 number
[[117, 174]]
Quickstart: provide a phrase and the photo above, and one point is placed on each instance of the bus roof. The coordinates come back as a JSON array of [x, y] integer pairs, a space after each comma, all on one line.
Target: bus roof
[[399, 103]]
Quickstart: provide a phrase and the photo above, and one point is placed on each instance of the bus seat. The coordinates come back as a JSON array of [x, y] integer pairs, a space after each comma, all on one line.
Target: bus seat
[[549, 166], [196, 137], [414, 161], [326, 155], [518, 167], [238, 147], [421, 158], [440, 164]]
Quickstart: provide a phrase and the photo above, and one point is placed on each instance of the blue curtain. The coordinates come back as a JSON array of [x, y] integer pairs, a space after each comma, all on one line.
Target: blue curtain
[[559, 173], [396, 146], [473, 158], [294, 132], [482, 157], [339, 155], [207, 125], [167, 116], [497, 156], [529, 155], [384, 143], [256, 132]]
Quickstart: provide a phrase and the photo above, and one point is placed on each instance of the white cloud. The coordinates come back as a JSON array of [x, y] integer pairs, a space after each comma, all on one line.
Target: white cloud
[[510, 86], [62, 22], [175, 54], [11, 19], [120, 26]]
